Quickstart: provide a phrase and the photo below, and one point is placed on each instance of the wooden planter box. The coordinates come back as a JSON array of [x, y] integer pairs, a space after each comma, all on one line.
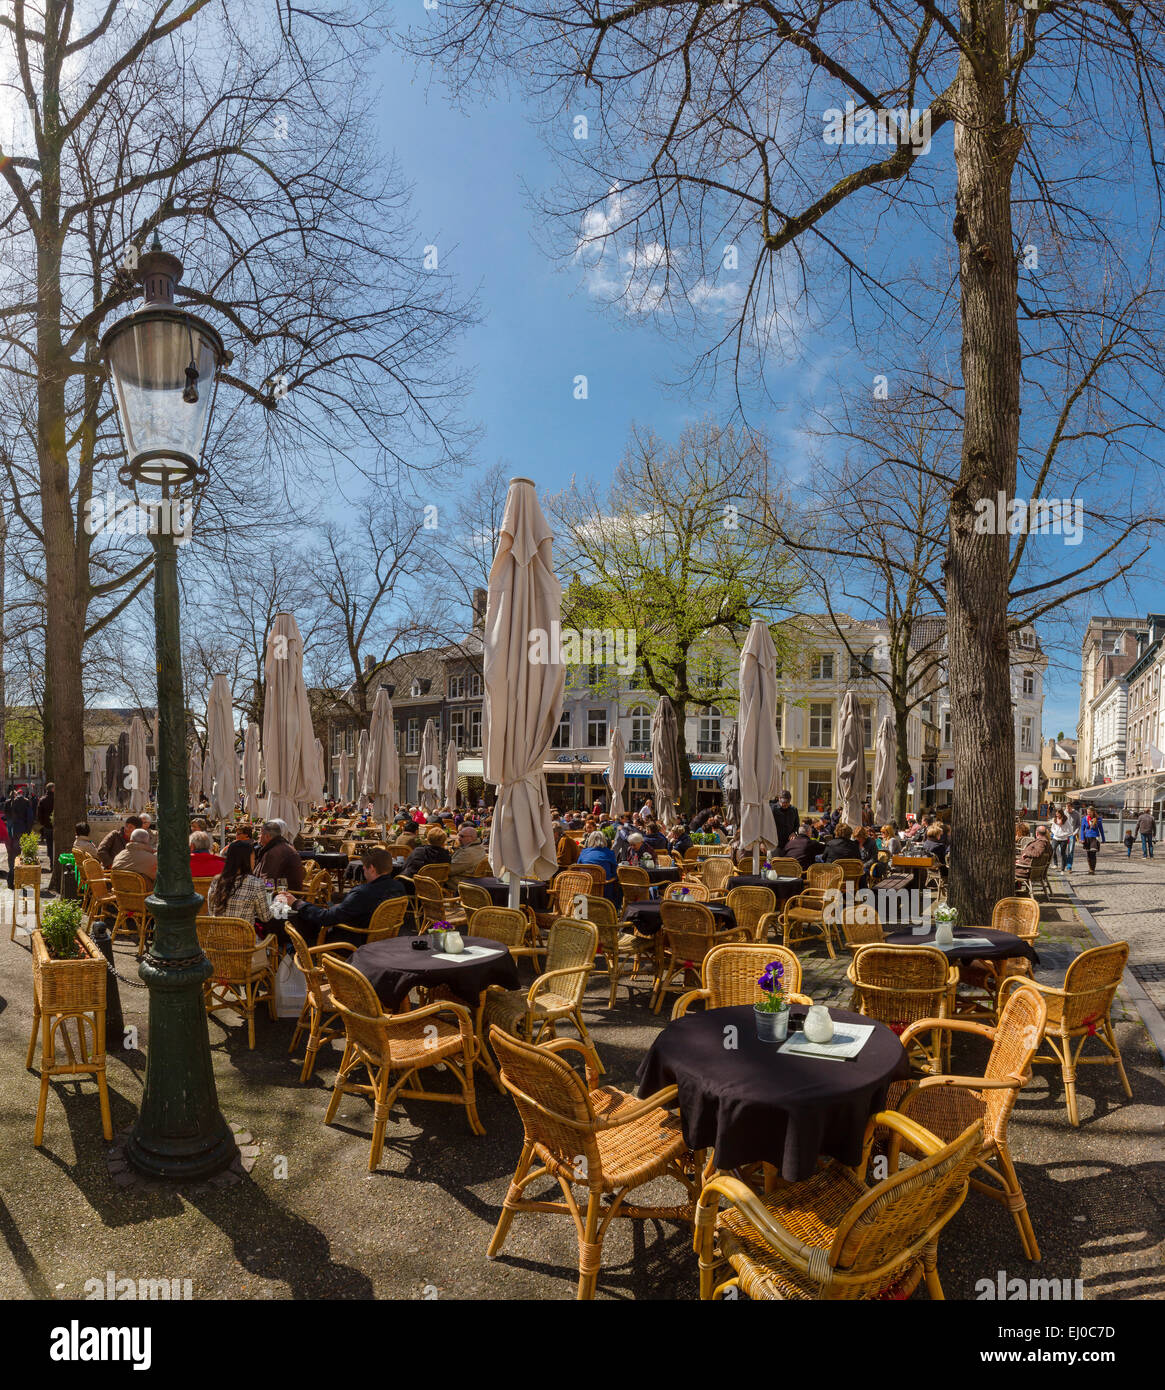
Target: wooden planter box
[[69, 986], [26, 876]]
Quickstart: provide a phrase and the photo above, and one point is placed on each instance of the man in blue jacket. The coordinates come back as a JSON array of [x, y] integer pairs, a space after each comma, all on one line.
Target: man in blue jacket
[[357, 908]]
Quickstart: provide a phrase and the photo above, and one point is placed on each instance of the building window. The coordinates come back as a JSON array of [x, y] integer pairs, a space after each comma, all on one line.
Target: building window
[[821, 667], [946, 728], [594, 676], [337, 735], [474, 726], [396, 734], [596, 728], [640, 730], [867, 725], [349, 740], [413, 740], [1029, 682], [861, 666], [821, 726], [820, 789], [1026, 727], [780, 725], [415, 688], [457, 727], [475, 685], [457, 687], [1027, 638], [708, 739], [561, 737]]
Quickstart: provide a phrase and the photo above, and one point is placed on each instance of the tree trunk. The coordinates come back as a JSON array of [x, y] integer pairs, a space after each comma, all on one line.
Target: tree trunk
[[976, 566], [687, 787], [902, 782]]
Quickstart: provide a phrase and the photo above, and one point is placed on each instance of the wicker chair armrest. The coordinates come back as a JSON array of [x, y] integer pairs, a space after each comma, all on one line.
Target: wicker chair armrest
[[908, 1129], [588, 1054], [459, 1011], [332, 946], [1026, 982], [659, 1101], [801, 999], [540, 983], [685, 1001], [971, 1083], [745, 1200], [730, 934], [954, 1025]]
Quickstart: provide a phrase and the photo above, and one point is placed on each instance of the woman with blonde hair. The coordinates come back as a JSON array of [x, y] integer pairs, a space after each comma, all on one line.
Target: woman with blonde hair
[[431, 850]]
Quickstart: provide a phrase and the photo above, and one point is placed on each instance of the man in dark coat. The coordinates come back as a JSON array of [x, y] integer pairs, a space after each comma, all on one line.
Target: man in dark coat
[[804, 847], [276, 858], [44, 818], [357, 908], [786, 818], [117, 839], [19, 816]]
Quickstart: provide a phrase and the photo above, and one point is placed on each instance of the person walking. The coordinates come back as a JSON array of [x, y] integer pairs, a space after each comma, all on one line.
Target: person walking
[[1073, 818], [44, 818], [1147, 830], [1130, 840], [1091, 836], [1061, 833]]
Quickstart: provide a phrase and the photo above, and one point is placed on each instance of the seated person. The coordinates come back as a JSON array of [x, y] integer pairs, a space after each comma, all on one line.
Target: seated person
[[204, 863], [238, 891], [868, 846], [466, 857], [139, 858], [431, 850], [357, 908], [935, 843], [654, 838], [679, 841], [276, 858], [117, 839], [843, 846], [565, 847], [1038, 849], [637, 855], [804, 846], [597, 851], [82, 844], [890, 840]]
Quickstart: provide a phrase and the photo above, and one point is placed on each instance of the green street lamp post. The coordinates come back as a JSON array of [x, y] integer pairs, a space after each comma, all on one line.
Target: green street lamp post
[[163, 364]]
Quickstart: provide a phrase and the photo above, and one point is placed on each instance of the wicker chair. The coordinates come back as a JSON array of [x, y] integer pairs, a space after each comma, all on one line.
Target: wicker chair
[[751, 907], [898, 986], [508, 925], [859, 926], [567, 885], [586, 1135], [433, 906], [384, 1044], [1080, 1009], [716, 872], [597, 875], [386, 921], [473, 897], [202, 887], [852, 870], [556, 994], [805, 914], [689, 933], [98, 895], [243, 970], [318, 1015], [731, 975], [133, 916], [635, 883], [663, 859], [786, 868], [689, 890], [831, 1237], [1021, 917], [946, 1105], [439, 873]]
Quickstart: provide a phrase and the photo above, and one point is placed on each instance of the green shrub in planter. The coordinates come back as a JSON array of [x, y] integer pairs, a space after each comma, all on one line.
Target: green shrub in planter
[[60, 922], [30, 848]]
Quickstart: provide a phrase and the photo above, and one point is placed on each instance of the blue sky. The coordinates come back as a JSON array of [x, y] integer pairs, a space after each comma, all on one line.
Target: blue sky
[[541, 327]]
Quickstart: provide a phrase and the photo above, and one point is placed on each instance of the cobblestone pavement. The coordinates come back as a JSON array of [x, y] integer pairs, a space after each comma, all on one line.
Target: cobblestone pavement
[[310, 1222], [1127, 897]]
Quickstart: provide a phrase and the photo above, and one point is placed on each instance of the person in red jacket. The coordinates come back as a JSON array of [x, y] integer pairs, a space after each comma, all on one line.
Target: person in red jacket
[[204, 863]]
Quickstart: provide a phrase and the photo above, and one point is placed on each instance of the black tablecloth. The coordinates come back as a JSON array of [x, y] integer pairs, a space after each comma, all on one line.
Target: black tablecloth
[[1003, 944], [750, 1103], [666, 873], [393, 968], [535, 895], [325, 860], [784, 887], [646, 917]]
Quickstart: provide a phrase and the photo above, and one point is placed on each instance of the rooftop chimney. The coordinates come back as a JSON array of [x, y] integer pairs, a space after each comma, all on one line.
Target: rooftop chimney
[[369, 663]]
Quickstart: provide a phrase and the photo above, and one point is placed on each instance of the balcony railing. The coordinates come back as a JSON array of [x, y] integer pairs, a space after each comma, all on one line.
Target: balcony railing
[[639, 745]]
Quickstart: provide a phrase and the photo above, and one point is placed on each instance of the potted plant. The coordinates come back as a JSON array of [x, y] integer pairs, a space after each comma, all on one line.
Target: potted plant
[[945, 920], [30, 848], [68, 969], [772, 1013]]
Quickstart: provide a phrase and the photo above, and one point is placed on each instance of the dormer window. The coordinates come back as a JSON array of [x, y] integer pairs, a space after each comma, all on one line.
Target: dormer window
[[415, 688]]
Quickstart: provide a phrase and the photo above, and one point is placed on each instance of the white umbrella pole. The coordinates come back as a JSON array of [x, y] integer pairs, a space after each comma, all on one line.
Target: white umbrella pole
[[515, 890], [756, 858]]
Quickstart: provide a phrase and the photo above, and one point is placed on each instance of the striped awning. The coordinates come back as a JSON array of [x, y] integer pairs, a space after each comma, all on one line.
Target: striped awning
[[710, 771], [470, 767]]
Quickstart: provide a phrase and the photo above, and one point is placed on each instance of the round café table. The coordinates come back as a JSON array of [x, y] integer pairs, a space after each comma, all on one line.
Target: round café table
[[748, 1102], [1004, 944], [784, 886], [335, 863], [393, 968], [645, 917], [535, 892], [665, 873]]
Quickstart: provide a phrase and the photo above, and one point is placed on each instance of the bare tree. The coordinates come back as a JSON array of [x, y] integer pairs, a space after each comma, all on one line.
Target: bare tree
[[721, 178], [237, 134]]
